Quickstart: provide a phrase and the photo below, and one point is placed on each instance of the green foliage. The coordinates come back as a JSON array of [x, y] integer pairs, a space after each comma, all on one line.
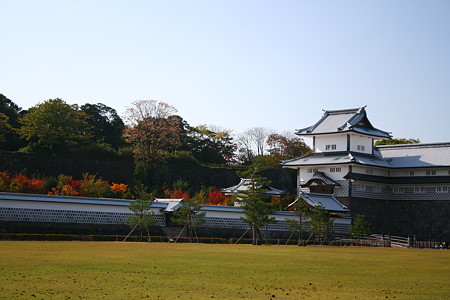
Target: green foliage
[[360, 227], [189, 214], [321, 222], [299, 224], [143, 216], [54, 126], [181, 185], [392, 141], [208, 146], [256, 203], [9, 115], [106, 123], [184, 158], [5, 127]]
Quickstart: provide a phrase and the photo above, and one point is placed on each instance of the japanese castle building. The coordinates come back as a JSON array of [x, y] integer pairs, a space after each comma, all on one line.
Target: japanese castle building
[[401, 189]]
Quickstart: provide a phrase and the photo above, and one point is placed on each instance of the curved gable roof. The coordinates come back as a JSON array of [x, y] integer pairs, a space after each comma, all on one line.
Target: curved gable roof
[[344, 120]]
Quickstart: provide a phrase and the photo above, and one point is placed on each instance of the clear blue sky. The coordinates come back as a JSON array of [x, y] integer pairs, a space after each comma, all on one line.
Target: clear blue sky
[[237, 64]]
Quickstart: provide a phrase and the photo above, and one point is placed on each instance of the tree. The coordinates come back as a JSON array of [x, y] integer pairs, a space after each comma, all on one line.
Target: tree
[[360, 227], [143, 216], [54, 126], [256, 203], [301, 211], [189, 215], [10, 109], [286, 146], [321, 222], [393, 141], [208, 145], [9, 116], [5, 127], [259, 137], [106, 123], [152, 131], [244, 148]]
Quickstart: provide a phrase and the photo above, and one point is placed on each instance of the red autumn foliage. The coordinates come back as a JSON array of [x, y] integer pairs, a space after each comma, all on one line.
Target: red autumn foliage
[[20, 183], [119, 189], [176, 194], [216, 197]]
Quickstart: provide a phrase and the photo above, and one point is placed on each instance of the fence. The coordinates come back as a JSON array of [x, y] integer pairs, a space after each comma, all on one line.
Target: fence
[[376, 240]]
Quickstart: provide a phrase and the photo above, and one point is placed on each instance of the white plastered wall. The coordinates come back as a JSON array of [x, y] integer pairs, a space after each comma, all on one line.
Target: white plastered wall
[[340, 140], [304, 176], [361, 140]]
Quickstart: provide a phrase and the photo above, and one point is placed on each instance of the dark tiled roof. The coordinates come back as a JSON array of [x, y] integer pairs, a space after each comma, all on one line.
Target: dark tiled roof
[[328, 201], [71, 199], [321, 176], [322, 158], [335, 158], [416, 155], [399, 180], [335, 121]]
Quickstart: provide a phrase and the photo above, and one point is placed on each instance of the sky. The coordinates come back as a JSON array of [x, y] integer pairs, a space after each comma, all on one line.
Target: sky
[[237, 64]]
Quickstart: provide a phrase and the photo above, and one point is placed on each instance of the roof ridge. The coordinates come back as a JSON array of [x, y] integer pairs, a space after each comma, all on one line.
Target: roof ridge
[[415, 145], [347, 110]]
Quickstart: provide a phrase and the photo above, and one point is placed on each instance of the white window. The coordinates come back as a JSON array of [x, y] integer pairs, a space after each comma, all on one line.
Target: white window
[[330, 147], [442, 189], [376, 189], [335, 170], [312, 170], [398, 190], [361, 148], [430, 173], [419, 189], [368, 171]]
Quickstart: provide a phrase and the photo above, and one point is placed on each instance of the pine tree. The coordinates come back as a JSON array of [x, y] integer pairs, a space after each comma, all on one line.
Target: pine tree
[[189, 215], [360, 227], [256, 203], [301, 211], [143, 217]]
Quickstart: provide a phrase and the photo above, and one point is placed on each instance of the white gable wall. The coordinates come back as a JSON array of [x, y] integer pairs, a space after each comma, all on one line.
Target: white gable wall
[[304, 175], [321, 142], [364, 142]]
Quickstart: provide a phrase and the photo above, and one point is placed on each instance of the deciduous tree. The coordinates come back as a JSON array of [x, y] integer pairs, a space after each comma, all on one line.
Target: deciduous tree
[[287, 146], [151, 130], [394, 141], [54, 126]]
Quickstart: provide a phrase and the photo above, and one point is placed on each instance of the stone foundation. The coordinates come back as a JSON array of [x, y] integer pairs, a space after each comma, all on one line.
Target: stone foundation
[[426, 220]]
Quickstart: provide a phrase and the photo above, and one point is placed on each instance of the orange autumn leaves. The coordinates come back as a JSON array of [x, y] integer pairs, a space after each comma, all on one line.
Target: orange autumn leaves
[[89, 186]]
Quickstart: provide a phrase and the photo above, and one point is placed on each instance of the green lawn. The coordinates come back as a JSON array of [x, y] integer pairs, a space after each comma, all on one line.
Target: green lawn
[[116, 270]]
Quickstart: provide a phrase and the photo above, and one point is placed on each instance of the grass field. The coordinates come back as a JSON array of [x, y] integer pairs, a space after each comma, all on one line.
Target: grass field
[[115, 270]]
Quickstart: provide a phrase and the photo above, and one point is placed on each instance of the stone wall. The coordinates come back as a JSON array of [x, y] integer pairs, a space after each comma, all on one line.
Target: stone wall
[[426, 220]]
